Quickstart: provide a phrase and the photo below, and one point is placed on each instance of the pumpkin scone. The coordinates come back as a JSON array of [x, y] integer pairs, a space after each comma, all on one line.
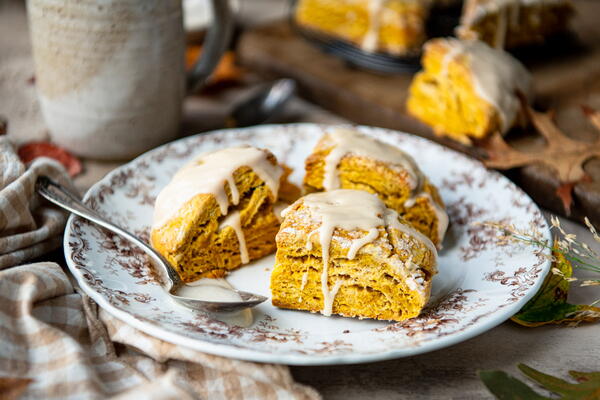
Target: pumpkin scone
[[512, 23], [344, 252], [217, 212], [348, 159], [468, 90], [395, 27]]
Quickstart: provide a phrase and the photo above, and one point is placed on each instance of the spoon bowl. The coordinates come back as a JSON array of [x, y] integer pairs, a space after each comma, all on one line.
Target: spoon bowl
[[263, 105], [63, 198]]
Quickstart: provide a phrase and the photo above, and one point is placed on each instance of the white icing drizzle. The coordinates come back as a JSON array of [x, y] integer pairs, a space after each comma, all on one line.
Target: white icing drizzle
[[349, 141], [357, 244], [208, 174], [233, 220], [442, 217], [350, 210], [309, 245], [393, 221], [304, 280], [329, 298], [508, 14], [475, 10], [371, 38], [450, 55], [496, 76], [303, 284]]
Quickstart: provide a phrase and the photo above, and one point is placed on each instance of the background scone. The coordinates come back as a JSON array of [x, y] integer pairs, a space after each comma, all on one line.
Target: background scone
[[511, 23], [217, 212], [345, 158], [468, 89], [395, 27], [343, 252]]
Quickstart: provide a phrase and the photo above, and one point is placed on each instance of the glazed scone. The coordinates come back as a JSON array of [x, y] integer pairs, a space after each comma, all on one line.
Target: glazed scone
[[217, 212], [348, 159], [395, 27], [512, 23], [468, 89], [344, 252]]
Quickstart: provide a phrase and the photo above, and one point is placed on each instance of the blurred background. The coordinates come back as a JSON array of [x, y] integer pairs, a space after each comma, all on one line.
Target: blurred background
[[334, 81]]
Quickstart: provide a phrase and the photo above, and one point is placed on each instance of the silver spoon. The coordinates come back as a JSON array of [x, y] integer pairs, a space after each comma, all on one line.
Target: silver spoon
[[70, 202], [262, 105]]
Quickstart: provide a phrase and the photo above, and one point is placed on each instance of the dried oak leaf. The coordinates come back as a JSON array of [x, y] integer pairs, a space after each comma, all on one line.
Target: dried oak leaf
[[13, 388], [564, 155], [549, 305], [30, 151]]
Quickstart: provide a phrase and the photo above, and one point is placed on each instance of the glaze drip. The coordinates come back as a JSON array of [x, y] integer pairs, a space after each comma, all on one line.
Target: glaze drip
[[357, 244], [442, 217], [351, 210], [233, 220], [507, 12], [371, 38], [348, 141], [496, 76], [209, 174]]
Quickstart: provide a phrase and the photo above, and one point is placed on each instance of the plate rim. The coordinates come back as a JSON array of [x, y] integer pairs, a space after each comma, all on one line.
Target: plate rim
[[253, 355]]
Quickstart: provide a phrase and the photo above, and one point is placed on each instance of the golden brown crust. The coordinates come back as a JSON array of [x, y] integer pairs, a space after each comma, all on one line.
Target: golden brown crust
[[526, 22], [288, 192], [194, 243], [401, 31], [375, 284], [448, 101], [389, 182]]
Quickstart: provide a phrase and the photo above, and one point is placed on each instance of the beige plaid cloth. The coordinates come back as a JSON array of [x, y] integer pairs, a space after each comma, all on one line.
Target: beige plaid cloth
[[56, 344], [28, 227]]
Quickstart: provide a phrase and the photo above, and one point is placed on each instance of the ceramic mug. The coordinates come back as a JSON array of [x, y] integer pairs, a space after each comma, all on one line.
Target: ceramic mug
[[110, 74]]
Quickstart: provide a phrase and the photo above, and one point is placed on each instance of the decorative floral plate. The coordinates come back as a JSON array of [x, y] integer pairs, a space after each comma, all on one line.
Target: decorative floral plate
[[482, 280]]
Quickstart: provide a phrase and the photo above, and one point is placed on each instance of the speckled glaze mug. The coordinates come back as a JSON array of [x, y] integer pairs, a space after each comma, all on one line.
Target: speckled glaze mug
[[110, 73]]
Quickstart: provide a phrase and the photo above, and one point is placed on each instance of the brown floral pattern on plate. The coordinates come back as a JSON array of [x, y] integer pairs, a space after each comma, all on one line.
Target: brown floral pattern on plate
[[482, 280]]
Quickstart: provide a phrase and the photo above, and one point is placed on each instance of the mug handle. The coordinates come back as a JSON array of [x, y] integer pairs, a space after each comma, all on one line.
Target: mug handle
[[217, 40]]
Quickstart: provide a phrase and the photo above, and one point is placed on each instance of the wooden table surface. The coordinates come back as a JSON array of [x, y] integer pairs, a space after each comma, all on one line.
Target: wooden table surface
[[565, 74], [445, 374]]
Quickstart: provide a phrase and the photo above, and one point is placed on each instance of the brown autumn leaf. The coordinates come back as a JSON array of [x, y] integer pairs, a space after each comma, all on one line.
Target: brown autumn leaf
[[564, 155], [13, 388], [32, 150]]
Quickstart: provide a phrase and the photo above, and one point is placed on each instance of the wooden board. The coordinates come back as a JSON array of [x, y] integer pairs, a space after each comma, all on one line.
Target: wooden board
[[563, 81]]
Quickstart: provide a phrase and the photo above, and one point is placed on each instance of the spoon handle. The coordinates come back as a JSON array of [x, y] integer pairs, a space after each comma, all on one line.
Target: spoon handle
[[60, 196]]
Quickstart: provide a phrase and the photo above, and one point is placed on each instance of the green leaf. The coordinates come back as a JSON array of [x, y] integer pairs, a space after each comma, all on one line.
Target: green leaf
[[588, 388], [549, 305], [505, 387]]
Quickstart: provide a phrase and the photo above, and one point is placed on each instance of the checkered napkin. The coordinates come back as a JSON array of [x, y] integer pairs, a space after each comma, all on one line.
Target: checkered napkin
[[28, 226], [56, 344]]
